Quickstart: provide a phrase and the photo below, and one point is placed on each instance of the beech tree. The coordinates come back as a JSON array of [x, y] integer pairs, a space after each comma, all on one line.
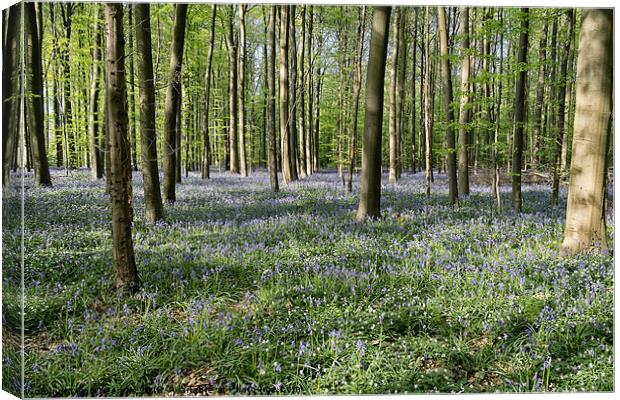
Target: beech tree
[[463, 159], [148, 135], [585, 212], [370, 194], [173, 97], [126, 274], [11, 81], [206, 156], [96, 161], [271, 102]]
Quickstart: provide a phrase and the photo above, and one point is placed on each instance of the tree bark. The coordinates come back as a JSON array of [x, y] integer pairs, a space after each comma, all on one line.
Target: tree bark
[[232, 93], [370, 195], [519, 116], [310, 165], [292, 52], [126, 274], [11, 97], [96, 169], [414, 46], [241, 93], [173, 96], [585, 215], [205, 150], [148, 133], [393, 117], [302, 98], [132, 93], [540, 90], [287, 170], [427, 106], [271, 103], [463, 159], [446, 76]]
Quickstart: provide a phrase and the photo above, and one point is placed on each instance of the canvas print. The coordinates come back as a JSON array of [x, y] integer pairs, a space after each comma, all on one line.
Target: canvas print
[[295, 199]]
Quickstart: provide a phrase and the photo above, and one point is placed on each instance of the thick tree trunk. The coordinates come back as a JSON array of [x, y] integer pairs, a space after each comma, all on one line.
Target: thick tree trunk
[[393, 117], [11, 80], [463, 159], [231, 45], [560, 137], [271, 103], [205, 150], [585, 215], [519, 118], [173, 96], [241, 93], [370, 194], [446, 76], [126, 274], [357, 88], [148, 134], [35, 103]]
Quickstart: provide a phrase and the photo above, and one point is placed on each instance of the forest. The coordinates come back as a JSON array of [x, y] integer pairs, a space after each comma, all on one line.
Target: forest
[[263, 199]]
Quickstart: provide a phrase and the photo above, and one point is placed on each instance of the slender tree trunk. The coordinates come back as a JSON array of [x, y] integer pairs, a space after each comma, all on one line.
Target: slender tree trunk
[[126, 274], [427, 106], [310, 164], [292, 53], [173, 97], [271, 103], [342, 44], [205, 149], [447, 90], [148, 134], [560, 137], [400, 92], [231, 44], [393, 125], [241, 93], [179, 128], [414, 41], [517, 154], [302, 98], [495, 186], [317, 117], [370, 194], [356, 93], [585, 215], [287, 170], [463, 159], [11, 98], [132, 94], [93, 120], [540, 90]]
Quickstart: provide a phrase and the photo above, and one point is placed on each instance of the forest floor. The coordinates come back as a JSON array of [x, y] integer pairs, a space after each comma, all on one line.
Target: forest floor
[[249, 292]]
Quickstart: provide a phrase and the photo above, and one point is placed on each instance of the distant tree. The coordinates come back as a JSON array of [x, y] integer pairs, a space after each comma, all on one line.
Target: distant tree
[[357, 87], [446, 77], [241, 92], [519, 113], [11, 81], [540, 91], [148, 135], [126, 274], [173, 96], [271, 103], [206, 153], [585, 215], [370, 194], [427, 104]]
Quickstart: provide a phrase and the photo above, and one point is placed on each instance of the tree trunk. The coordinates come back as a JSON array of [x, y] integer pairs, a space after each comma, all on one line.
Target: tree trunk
[[271, 103], [241, 92], [585, 215], [11, 97], [414, 41], [132, 93], [570, 16], [393, 118], [519, 118], [205, 150], [463, 159], [540, 90], [446, 77], [287, 170], [427, 107], [310, 165], [148, 133], [302, 98], [356, 93], [292, 53], [173, 95], [400, 93], [370, 194], [232, 93], [126, 274], [93, 121]]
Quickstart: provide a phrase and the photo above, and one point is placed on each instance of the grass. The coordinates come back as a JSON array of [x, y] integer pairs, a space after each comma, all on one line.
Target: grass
[[249, 292]]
